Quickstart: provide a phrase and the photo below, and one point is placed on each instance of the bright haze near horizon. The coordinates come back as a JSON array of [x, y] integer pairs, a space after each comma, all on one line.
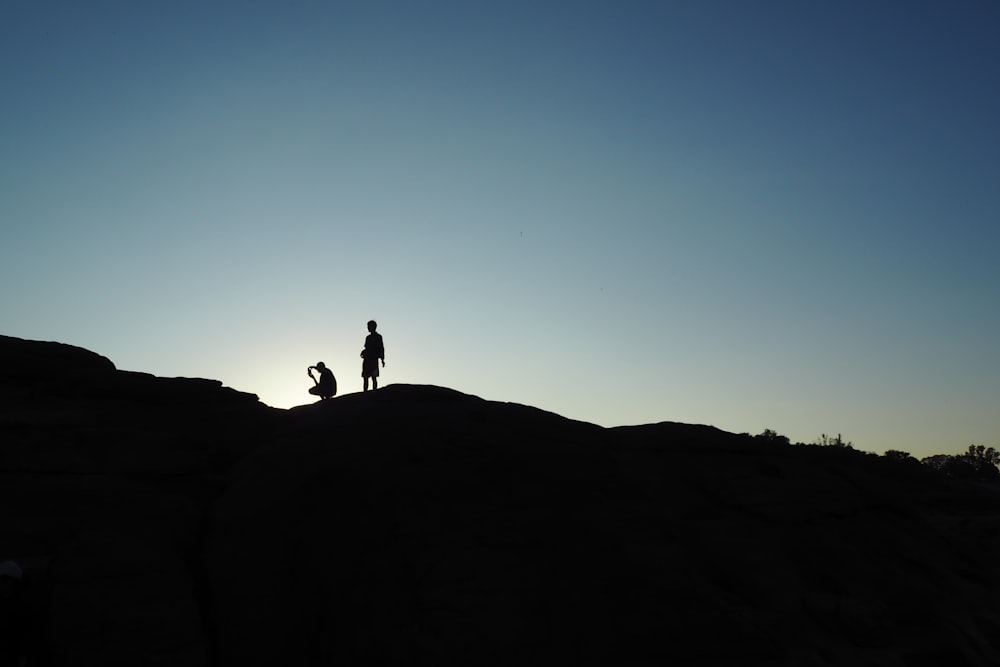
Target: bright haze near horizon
[[757, 215]]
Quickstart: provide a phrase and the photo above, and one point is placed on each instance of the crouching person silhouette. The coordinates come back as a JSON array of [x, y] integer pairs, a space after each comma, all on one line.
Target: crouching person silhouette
[[326, 385]]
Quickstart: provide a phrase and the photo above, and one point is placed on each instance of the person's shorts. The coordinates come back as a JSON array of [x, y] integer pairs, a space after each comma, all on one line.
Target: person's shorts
[[369, 368]]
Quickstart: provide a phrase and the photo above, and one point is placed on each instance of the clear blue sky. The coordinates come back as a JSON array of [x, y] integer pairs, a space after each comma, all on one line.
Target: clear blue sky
[[753, 215]]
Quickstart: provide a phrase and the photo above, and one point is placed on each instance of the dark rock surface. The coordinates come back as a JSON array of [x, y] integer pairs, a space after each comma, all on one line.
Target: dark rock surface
[[178, 522]]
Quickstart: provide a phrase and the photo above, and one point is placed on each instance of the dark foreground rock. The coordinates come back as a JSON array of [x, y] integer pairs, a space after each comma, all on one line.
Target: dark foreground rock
[[177, 522]]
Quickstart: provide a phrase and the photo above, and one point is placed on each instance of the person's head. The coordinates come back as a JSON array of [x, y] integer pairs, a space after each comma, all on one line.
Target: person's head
[[320, 365], [372, 325]]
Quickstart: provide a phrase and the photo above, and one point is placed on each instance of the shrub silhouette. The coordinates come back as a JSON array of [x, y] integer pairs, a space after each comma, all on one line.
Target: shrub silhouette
[[897, 455], [773, 437], [826, 441]]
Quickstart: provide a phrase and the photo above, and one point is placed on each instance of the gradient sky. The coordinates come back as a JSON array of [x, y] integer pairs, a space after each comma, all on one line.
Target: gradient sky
[[775, 214]]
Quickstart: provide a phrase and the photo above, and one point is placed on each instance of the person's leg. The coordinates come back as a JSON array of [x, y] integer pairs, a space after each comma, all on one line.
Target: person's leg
[[366, 383], [374, 383]]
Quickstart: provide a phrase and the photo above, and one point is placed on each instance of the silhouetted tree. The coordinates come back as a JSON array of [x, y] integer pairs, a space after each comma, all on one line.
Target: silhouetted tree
[[984, 461], [897, 455], [982, 454], [952, 466], [979, 462]]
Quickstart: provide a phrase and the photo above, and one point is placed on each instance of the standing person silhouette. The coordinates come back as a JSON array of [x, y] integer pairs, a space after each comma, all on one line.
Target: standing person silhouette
[[374, 350]]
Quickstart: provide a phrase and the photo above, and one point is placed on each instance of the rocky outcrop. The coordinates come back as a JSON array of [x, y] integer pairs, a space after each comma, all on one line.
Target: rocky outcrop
[[107, 479], [174, 521]]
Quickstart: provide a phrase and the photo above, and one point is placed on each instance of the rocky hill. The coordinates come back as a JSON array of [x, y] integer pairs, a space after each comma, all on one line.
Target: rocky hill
[[174, 521]]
